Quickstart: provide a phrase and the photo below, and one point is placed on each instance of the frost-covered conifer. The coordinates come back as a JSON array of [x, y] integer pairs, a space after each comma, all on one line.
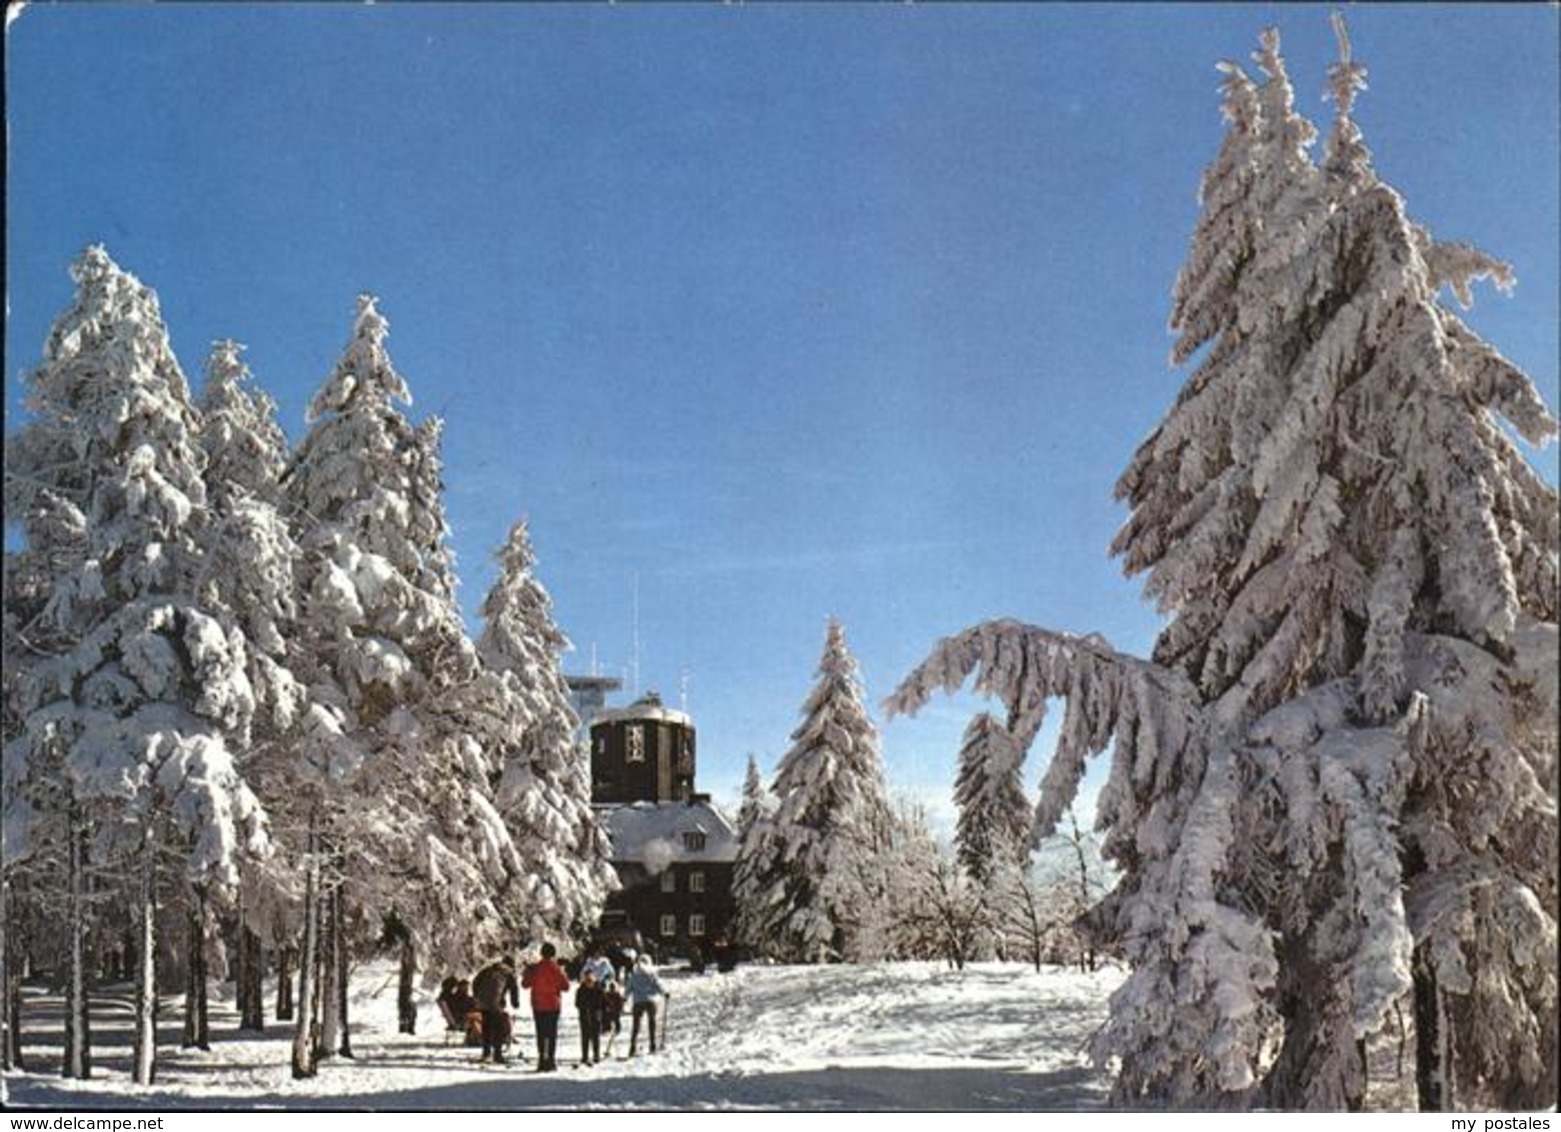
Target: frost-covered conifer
[[994, 814], [809, 879], [545, 794], [248, 575], [400, 790], [756, 801], [1339, 778], [132, 704]]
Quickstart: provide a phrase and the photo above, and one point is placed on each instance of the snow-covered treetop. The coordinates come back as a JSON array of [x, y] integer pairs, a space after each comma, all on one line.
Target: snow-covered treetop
[[833, 773], [994, 815], [1347, 156], [1324, 461], [755, 800], [367, 482], [837, 700], [112, 435], [364, 373], [246, 450], [519, 633]]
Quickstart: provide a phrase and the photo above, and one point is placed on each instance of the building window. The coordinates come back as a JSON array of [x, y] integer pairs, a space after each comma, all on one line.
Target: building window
[[694, 839], [696, 883], [669, 881], [601, 744], [636, 743], [696, 924], [669, 924]]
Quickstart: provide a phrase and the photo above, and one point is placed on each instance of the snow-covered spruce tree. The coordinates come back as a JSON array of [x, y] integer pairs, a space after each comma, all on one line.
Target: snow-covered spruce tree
[[45, 491], [1339, 775], [135, 706], [565, 873], [247, 575], [809, 877], [396, 788], [756, 801], [994, 814]]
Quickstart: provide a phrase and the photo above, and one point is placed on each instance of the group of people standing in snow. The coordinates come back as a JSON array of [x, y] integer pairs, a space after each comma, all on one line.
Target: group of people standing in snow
[[481, 1008]]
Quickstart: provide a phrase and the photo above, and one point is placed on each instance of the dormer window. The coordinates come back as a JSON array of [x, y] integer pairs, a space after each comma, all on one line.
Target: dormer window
[[694, 839]]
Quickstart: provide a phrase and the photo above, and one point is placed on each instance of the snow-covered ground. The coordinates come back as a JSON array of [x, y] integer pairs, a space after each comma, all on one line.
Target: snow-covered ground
[[900, 1036]]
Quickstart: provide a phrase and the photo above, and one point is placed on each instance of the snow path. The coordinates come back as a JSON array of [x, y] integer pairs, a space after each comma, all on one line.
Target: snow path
[[911, 1036]]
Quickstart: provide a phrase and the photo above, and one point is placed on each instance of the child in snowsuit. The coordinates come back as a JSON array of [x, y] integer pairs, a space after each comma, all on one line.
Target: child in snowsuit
[[588, 1004], [548, 984], [646, 991], [612, 1011]]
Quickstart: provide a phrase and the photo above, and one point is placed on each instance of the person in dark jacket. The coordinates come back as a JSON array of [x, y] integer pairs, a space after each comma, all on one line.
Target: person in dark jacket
[[460, 1009], [588, 1004], [547, 982], [492, 988]]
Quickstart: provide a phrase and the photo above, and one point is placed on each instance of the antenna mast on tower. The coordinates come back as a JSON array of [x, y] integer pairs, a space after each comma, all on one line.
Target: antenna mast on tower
[[634, 641]]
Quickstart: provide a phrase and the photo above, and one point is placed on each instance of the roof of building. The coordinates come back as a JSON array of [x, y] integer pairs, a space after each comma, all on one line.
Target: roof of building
[[605, 683], [648, 706], [655, 829]]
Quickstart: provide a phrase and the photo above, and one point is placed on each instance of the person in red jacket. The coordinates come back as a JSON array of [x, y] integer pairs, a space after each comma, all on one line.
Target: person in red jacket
[[547, 982]]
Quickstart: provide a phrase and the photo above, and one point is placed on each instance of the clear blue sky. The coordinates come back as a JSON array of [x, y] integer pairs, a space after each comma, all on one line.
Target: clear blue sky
[[788, 311]]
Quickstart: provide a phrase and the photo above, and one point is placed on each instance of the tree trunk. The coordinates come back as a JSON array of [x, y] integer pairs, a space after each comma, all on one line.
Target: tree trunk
[[192, 946], [11, 964], [77, 1061], [305, 1061], [330, 1009], [1431, 1077], [7, 1050], [197, 1030], [406, 1004], [241, 958], [321, 983], [340, 962], [14, 1019], [253, 1015], [144, 1069], [1318, 1067], [1087, 949], [286, 959]]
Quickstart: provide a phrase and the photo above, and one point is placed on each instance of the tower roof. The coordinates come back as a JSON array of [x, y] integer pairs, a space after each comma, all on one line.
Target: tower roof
[[647, 707]]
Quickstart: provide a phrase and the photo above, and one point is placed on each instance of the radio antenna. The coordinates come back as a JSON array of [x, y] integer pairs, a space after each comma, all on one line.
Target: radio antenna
[[634, 639]]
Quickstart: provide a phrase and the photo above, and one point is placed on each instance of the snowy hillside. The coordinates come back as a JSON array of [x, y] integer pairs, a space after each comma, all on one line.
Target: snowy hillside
[[901, 1036]]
